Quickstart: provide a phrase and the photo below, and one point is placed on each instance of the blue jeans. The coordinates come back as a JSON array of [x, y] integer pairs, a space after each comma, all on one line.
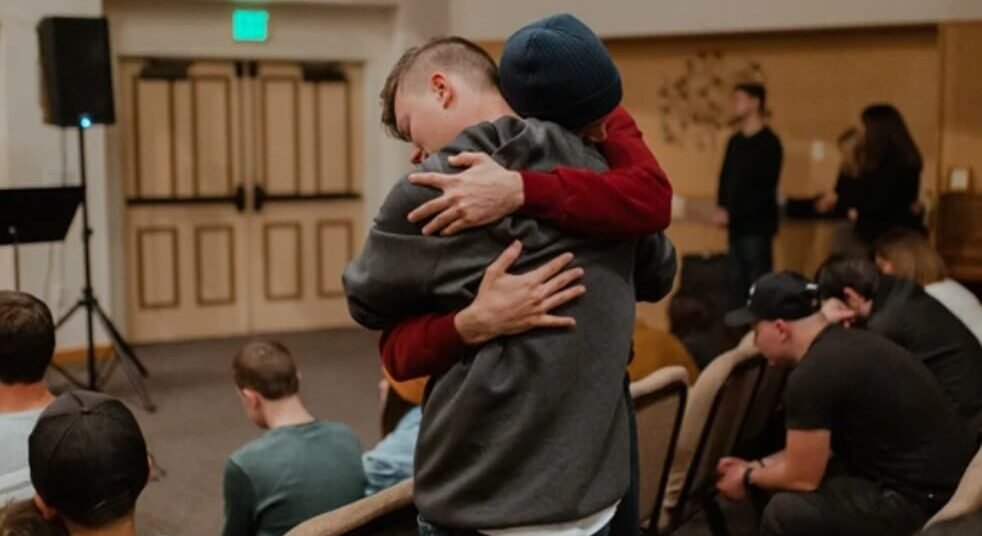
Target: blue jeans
[[425, 529], [750, 257]]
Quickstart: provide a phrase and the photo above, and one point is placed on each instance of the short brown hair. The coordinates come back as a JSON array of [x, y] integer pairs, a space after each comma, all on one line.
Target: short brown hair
[[455, 53], [27, 338], [912, 256], [267, 368]]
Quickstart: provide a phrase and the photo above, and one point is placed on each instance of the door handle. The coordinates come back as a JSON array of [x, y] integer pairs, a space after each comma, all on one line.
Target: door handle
[[239, 199], [258, 198]]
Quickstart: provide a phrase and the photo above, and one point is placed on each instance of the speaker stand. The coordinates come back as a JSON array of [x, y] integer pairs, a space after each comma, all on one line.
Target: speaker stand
[[135, 370]]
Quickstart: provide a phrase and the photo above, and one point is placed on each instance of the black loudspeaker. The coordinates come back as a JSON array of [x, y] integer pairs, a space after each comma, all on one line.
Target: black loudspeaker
[[76, 71]]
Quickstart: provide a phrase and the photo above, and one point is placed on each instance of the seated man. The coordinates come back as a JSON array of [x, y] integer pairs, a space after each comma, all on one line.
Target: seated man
[[301, 467], [27, 343], [89, 465], [483, 460], [901, 311], [900, 448]]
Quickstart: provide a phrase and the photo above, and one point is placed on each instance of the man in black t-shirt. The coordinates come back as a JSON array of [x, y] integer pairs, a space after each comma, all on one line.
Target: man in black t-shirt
[[900, 310], [899, 447], [747, 194]]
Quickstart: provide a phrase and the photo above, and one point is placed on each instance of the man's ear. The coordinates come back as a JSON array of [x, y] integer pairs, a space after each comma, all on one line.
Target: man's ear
[[441, 88], [47, 512], [252, 398], [782, 328]]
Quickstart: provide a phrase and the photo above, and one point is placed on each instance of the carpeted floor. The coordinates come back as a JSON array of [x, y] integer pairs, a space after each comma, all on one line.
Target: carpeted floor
[[199, 422]]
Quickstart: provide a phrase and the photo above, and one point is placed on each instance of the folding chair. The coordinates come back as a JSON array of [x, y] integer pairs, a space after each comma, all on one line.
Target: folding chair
[[715, 414], [659, 403]]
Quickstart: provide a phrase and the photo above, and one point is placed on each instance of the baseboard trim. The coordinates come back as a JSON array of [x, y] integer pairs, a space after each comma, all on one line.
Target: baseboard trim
[[72, 356]]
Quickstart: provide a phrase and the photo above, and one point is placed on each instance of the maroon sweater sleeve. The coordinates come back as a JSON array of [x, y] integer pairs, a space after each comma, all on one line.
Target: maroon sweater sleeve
[[633, 198], [422, 345]]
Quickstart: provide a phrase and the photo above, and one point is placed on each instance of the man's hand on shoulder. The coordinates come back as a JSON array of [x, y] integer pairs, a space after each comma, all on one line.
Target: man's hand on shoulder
[[483, 193]]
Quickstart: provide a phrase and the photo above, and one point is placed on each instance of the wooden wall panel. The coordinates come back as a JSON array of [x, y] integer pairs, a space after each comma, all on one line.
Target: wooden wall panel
[[962, 103], [818, 84], [158, 266], [283, 261], [184, 149], [280, 133], [212, 136], [215, 265], [155, 138], [332, 109], [335, 248]]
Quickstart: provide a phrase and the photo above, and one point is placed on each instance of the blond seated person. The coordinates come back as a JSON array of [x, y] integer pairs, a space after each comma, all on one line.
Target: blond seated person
[[909, 255]]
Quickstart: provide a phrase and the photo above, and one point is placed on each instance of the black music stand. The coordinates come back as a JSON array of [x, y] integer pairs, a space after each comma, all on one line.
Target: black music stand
[[33, 215]]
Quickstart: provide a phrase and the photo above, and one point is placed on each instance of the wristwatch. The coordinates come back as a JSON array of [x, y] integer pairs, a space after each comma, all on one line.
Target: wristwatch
[[747, 481]]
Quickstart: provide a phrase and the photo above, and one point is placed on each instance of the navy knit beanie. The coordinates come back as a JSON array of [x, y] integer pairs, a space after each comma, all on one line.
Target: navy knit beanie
[[556, 69]]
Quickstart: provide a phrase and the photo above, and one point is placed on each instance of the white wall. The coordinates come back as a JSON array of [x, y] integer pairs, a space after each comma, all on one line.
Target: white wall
[[35, 154], [496, 20]]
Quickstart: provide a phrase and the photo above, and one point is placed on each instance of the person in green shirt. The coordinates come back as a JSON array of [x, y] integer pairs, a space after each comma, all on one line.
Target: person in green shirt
[[300, 467]]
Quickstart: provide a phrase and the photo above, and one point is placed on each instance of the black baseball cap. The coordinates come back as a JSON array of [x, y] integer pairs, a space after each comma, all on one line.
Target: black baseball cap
[[782, 295], [88, 458]]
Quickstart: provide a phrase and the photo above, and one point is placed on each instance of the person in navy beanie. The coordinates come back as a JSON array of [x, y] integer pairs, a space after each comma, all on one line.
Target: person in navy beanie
[[556, 69]]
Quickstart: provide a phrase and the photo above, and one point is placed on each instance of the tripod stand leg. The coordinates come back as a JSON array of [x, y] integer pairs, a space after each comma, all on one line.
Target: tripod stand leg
[[58, 368], [119, 341], [126, 360], [64, 318], [68, 376]]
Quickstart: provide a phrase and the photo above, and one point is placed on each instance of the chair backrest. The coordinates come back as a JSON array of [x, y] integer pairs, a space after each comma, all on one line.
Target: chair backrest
[[390, 512], [659, 402], [714, 415], [967, 497], [766, 400]]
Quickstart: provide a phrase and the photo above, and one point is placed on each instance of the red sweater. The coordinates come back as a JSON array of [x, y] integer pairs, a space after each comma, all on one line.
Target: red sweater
[[633, 198]]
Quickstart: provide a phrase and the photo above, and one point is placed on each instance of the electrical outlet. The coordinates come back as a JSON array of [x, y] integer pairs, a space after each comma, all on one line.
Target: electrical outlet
[[818, 151]]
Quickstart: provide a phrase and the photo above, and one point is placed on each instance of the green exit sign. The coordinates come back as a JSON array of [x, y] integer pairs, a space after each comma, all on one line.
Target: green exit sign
[[250, 25]]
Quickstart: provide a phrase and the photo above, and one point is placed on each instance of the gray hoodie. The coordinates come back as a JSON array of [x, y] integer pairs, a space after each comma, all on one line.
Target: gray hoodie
[[533, 428]]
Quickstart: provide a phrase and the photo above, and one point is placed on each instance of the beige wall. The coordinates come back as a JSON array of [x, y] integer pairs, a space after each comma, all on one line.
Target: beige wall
[[493, 20]]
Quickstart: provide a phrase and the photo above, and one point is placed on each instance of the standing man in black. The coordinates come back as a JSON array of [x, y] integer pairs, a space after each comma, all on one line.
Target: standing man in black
[[747, 195]]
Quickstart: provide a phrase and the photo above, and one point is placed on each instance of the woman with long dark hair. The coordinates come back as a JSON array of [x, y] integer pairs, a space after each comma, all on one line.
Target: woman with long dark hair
[[889, 174]]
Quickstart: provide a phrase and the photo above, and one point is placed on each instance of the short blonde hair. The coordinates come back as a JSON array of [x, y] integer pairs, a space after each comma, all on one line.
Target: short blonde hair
[[451, 52], [911, 256]]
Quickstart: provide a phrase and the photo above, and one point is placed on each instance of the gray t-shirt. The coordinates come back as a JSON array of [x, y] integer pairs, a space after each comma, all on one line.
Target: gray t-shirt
[[15, 428]]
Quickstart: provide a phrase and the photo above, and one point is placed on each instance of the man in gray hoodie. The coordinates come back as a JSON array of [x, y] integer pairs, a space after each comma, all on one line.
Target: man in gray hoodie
[[529, 434]]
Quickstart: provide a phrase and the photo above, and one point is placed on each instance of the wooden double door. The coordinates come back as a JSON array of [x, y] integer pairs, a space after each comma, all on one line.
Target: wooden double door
[[242, 195]]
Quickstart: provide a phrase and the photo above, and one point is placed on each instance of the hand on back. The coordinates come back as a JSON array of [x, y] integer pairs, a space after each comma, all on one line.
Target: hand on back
[[508, 304], [483, 193]]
